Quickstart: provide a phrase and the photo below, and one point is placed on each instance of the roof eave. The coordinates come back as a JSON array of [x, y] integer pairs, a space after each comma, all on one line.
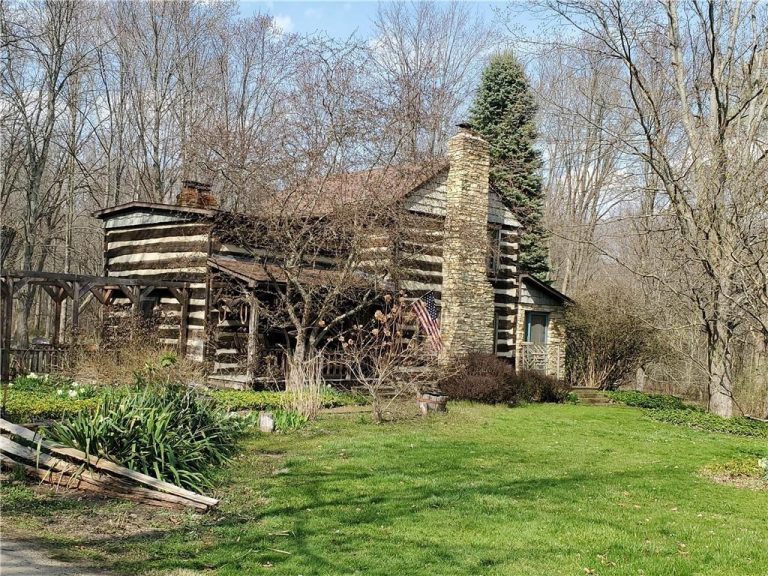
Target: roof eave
[[546, 288], [129, 206]]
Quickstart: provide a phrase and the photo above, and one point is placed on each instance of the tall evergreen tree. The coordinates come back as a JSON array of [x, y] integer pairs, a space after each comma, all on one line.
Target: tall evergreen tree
[[503, 113]]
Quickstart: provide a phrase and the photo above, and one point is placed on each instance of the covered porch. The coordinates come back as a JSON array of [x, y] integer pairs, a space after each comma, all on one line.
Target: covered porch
[[74, 291], [541, 345], [248, 342]]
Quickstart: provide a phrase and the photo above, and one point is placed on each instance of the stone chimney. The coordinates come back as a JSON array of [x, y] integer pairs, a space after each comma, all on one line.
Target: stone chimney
[[196, 195], [466, 321]]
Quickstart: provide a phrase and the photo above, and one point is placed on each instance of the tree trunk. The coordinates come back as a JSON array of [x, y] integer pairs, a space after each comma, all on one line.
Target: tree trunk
[[720, 385]]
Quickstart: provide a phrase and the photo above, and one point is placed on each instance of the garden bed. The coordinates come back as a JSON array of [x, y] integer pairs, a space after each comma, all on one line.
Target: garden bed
[[42, 398], [673, 410]]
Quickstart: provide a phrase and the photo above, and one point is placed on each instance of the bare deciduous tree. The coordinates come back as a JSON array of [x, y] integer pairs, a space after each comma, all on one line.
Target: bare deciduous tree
[[428, 56], [695, 77], [41, 55], [582, 125], [383, 355]]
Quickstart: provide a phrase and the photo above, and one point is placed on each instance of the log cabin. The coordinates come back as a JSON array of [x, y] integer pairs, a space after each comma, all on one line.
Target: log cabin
[[460, 248]]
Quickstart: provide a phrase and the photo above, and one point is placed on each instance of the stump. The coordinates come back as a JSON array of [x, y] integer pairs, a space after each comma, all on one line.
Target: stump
[[432, 402], [266, 422]]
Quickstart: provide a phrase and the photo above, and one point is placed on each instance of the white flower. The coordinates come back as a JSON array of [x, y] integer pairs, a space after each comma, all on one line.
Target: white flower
[[72, 393], [74, 385], [32, 375], [82, 390], [59, 391]]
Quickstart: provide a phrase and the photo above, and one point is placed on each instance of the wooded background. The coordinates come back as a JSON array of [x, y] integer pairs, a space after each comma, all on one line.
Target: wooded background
[[652, 120]]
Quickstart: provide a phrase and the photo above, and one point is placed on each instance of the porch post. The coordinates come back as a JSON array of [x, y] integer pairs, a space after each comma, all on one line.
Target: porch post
[[184, 322], [60, 295], [6, 292], [75, 312], [253, 336]]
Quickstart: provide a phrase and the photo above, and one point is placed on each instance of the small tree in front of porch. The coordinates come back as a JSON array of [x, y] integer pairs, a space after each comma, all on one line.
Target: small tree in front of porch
[[386, 357]]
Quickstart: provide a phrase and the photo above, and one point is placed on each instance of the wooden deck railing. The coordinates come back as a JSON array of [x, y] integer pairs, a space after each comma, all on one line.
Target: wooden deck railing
[[546, 358], [38, 359]]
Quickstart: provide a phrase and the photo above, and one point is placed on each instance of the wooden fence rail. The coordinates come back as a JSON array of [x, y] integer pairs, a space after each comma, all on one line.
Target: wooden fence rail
[[40, 360], [546, 358]]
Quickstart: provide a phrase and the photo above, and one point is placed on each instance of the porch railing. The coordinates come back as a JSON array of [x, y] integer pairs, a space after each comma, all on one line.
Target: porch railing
[[38, 359], [546, 358]]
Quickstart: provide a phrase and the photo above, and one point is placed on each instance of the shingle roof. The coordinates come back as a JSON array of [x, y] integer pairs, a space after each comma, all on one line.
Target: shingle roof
[[153, 206], [527, 278], [379, 186], [318, 196]]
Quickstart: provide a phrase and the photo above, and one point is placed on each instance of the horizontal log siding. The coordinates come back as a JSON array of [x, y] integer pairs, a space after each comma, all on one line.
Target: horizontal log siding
[[165, 251], [219, 248], [506, 292], [420, 257], [228, 341], [421, 261]]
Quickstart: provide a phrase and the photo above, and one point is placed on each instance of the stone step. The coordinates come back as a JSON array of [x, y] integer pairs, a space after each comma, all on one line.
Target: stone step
[[591, 396]]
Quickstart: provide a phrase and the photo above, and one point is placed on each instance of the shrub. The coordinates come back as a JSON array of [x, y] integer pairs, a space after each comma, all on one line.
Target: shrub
[[744, 467], [673, 410], [36, 383], [643, 400], [543, 388], [383, 363], [607, 340], [483, 378], [138, 355], [488, 379], [233, 400], [172, 433], [332, 398], [286, 420], [24, 406]]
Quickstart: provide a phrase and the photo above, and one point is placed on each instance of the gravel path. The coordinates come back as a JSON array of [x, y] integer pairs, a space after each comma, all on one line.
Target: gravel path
[[18, 558]]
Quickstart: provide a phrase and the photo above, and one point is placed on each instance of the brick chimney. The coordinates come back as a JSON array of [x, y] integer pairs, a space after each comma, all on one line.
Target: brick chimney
[[467, 295], [196, 195]]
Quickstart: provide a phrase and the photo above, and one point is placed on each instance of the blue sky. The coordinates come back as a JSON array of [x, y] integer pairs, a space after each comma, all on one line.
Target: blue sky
[[336, 19]]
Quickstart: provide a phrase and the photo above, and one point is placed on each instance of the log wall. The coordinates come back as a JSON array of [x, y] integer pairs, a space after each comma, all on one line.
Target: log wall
[[156, 246], [169, 245], [419, 269]]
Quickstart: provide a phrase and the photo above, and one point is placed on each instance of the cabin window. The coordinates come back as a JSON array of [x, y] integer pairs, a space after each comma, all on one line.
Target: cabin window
[[536, 324], [494, 251]]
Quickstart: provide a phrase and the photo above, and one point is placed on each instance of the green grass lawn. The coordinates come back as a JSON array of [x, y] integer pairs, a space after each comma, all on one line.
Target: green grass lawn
[[539, 490]]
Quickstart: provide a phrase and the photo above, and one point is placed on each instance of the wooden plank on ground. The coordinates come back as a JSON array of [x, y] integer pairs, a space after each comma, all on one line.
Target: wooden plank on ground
[[106, 465], [82, 476], [82, 482]]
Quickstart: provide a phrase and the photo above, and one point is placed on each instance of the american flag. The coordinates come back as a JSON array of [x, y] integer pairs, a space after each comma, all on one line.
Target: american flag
[[426, 313]]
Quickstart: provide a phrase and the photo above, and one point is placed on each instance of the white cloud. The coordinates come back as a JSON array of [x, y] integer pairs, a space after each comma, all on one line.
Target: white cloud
[[284, 23]]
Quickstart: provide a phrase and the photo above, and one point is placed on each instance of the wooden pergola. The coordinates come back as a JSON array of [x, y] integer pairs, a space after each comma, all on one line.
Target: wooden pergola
[[79, 289]]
